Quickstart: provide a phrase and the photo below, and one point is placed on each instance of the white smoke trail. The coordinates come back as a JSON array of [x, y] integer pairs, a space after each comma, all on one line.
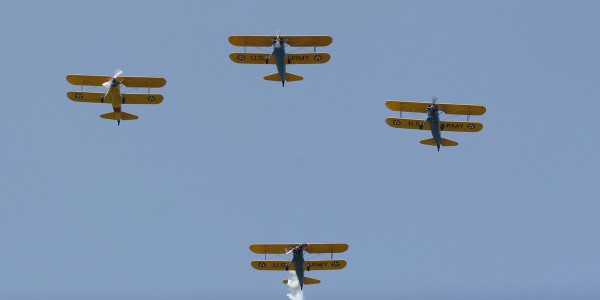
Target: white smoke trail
[[294, 284]]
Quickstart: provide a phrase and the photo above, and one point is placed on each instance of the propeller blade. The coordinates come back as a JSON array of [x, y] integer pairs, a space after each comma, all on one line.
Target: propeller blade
[[434, 99], [106, 84], [118, 73]]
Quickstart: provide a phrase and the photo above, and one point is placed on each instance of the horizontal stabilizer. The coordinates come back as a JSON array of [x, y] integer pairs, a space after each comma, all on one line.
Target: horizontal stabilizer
[[307, 280], [444, 142], [118, 116], [288, 77]]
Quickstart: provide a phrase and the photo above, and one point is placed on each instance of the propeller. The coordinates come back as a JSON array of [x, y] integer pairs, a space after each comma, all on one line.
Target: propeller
[[112, 80]]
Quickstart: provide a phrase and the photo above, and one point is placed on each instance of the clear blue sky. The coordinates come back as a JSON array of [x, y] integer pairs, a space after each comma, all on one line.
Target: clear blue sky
[[165, 207]]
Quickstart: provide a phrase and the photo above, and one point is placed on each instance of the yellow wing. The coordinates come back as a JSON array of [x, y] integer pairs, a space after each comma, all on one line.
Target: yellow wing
[[407, 123], [292, 40], [94, 97], [421, 107], [128, 81], [279, 265], [143, 82], [460, 126], [142, 98], [90, 97], [310, 248], [93, 80], [296, 58]]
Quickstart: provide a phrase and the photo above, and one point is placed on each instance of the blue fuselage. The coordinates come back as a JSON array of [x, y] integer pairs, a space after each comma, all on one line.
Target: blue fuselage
[[298, 260], [279, 52], [433, 117]]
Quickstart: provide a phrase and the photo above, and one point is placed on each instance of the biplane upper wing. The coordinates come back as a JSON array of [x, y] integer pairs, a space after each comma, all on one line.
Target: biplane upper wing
[[310, 248], [460, 126], [279, 265], [327, 248], [142, 82], [448, 108], [296, 58], [128, 81], [292, 40], [93, 80]]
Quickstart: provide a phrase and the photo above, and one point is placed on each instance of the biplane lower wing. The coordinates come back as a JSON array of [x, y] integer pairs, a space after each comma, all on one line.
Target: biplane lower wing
[[292, 40], [459, 126], [142, 98], [296, 58], [280, 265], [90, 97], [95, 97], [307, 280], [310, 248], [128, 81], [421, 107]]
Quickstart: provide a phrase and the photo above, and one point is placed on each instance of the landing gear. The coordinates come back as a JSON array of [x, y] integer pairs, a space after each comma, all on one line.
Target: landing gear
[[267, 61], [101, 99], [118, 122], [287, 267], [307, 267], [442, 127], [123, 99], [421, 125], [289, 60]]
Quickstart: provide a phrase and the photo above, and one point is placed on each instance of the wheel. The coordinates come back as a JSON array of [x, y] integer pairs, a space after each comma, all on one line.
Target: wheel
[[289, 60], [101, 99], [421, 126], [287, 267], [267, 61], [123, 99], [307, 267], [442, 127]]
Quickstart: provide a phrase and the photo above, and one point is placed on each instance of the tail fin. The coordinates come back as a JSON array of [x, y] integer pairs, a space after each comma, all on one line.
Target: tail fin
[[118, 116], [288, 77], [444, 142], [307, 280]]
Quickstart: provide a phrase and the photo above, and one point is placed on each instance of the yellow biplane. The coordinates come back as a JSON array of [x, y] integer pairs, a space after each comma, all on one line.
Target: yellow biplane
[[433, 123], [297, 262], [113, 94], [282, 59]]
